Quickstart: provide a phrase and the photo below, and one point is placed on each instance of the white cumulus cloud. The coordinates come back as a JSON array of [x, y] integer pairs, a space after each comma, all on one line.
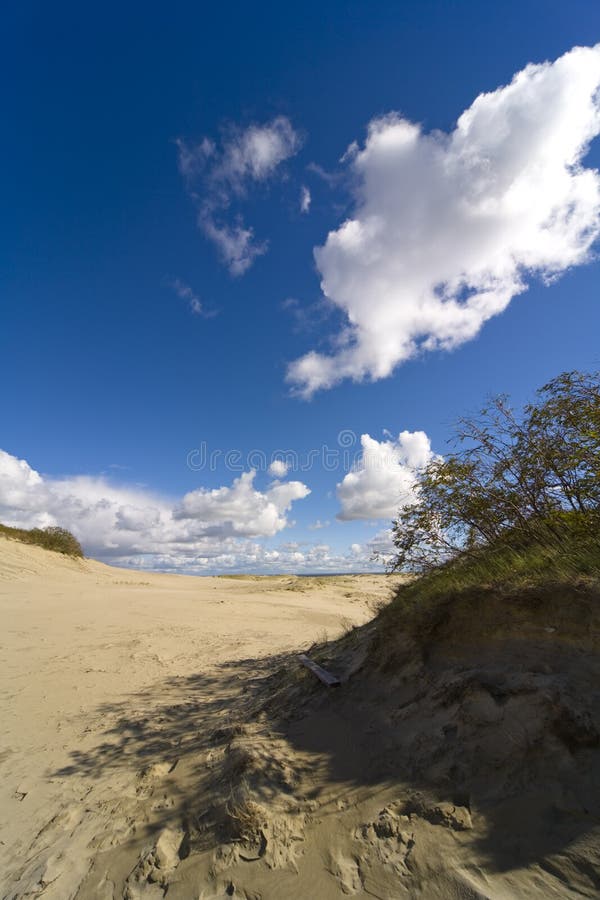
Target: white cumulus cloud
[[126, 525], [278, 468], [227, 529], [447, 228], [217, 175], [241, 509], [383, 479]]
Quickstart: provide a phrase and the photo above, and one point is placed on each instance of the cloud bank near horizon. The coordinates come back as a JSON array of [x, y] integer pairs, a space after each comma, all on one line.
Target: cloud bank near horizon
[[206, 531], [116, 522], [448, 228]]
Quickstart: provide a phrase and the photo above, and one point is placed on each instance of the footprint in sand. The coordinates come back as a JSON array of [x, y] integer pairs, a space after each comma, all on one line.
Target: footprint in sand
[[151, 875], [151, 774], [387, 841], [347, 872], [159, 770]]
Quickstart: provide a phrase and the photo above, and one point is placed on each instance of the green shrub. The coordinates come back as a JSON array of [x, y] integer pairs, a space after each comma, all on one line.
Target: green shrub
[[514, 476], [52, 538]]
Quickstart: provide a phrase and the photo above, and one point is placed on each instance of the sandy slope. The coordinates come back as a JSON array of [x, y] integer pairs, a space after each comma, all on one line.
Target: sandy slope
[[161, 739], [105, 673]]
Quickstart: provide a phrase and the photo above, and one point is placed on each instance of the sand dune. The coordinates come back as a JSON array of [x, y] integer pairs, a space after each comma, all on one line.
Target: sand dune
[[105, 672], [161, 739]]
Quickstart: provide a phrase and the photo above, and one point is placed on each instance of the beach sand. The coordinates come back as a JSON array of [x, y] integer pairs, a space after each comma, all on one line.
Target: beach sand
[[161, 739], [87, 648]]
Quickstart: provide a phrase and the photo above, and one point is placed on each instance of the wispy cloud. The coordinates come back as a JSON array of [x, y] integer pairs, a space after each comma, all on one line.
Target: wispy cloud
[[185, 292], [217, 175], [316, 526], [332, 179], [305, 199], [448, 228], [308, 317]]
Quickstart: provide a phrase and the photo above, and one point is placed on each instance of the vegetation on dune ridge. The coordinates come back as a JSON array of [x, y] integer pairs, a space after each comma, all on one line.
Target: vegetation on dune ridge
[[508, 573], [52, 538], [513, 516], [514, 476]]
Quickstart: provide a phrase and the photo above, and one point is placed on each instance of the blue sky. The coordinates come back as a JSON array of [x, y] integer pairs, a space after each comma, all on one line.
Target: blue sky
[[127, 342]]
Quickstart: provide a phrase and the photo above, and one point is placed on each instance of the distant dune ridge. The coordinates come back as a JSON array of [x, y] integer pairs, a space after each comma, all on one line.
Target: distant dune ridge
[[162, 739]]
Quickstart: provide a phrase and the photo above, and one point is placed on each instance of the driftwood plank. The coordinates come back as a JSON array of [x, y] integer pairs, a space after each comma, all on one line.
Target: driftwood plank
[[322, 674]]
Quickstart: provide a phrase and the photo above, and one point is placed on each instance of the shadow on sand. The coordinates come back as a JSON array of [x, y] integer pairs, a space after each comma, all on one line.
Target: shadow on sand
[[519, 749]]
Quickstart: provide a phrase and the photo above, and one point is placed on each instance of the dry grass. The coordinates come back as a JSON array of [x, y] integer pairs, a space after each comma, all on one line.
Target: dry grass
[[246, 818]]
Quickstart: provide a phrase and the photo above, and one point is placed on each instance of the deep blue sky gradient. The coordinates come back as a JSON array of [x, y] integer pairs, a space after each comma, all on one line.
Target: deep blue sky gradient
[[100, 362]]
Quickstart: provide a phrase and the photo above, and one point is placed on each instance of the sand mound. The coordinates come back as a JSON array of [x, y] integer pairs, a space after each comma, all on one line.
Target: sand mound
[[460, 763], [467, 771]]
